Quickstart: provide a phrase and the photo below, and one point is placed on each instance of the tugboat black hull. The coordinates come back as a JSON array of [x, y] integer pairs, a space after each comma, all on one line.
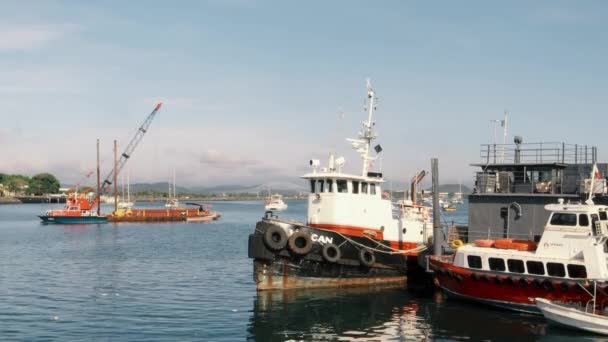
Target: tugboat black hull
[[288, 255]]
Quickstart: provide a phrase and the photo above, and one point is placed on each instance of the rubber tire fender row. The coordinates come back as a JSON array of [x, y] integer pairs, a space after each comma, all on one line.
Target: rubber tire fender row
[[300, 243], [331, 253], [275, 238], [367, 257]]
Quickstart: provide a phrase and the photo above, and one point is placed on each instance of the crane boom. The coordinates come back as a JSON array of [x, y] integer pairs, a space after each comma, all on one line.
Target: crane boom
[[124, 157]]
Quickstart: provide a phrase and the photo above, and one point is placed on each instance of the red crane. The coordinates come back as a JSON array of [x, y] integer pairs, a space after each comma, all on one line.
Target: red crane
[[124, 157]]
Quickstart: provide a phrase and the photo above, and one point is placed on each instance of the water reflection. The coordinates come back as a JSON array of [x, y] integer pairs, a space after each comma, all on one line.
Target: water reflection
[[362, 314]]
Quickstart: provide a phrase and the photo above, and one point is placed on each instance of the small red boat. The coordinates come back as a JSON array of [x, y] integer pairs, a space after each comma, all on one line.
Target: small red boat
[[78, 209]]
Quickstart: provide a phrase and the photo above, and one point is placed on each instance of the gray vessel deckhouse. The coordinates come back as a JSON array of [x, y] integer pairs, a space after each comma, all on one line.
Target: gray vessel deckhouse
[[517, 180]]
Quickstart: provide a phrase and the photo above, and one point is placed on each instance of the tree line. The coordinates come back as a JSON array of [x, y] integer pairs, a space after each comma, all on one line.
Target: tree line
[[40, 184]]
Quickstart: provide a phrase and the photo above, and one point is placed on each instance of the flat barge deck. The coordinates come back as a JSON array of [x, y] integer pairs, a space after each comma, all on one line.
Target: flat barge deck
[[163, 215]]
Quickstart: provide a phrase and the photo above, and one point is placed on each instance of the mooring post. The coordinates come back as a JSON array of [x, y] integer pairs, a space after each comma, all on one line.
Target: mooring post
[[437, 231]]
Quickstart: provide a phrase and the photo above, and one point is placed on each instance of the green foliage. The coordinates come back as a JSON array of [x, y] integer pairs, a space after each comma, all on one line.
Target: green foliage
[[43, 183]]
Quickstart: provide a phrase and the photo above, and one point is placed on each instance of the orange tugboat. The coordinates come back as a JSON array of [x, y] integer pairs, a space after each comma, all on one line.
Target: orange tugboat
[[78, 209]]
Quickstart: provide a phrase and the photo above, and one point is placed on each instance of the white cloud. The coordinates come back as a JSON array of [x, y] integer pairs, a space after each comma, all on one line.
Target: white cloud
[[31, 37]]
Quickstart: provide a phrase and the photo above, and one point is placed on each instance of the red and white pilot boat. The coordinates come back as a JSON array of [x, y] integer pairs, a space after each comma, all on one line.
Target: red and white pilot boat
[[351, 236], [508, 273]]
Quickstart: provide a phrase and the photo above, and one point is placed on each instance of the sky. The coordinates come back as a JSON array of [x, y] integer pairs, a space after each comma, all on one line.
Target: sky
[[254, 89]]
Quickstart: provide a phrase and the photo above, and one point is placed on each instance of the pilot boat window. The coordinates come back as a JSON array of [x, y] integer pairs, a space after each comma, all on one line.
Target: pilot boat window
[[372, 189], [535, 267], [563, 219], [355, 187], [474, 261], [342, 185], [364, 188], [321, 183], [583, 220], [603, 216], [556, 270], [312, 185], [516, 266], [577, 271], [496, 264], [330, 185]]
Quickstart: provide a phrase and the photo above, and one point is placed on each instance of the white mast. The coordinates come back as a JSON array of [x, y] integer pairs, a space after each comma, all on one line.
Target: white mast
[[504, 137], [363, 144], [367, 134]]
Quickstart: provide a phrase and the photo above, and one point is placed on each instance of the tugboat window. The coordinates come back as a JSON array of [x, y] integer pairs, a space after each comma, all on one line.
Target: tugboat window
[[312, 186], [372, 189], [563, 219], [535, 267], [474, 261], [583, 220], [330, 185], [321, 183], [355, 187], [516, 266], [603, 216], [556, 270], [496, 264], [364, 188], [577, 271], [342, 185]]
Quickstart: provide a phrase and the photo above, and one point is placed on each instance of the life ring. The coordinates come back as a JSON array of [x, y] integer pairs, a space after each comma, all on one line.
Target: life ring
[[275, 238], [367, 257], [457, 243], [331, 252], [548, 286], [300, 243]]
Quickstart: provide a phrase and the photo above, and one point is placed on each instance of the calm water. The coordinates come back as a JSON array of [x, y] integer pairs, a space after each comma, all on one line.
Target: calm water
[[193, 282]]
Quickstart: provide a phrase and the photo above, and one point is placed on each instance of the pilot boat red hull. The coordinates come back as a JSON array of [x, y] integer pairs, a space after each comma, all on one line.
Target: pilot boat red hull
[[513, 292]]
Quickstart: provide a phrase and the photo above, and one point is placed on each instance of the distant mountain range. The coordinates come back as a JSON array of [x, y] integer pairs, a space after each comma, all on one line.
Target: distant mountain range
[[285, 188], [282, 187]]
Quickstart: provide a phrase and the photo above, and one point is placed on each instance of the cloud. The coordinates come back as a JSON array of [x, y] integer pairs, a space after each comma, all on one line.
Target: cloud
[[31, 37]]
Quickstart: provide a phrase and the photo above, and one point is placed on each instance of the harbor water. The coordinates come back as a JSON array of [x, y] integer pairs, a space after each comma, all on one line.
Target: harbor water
[[193, 282]]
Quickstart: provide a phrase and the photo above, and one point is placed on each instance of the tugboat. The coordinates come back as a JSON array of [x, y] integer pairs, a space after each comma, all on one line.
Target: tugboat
[[78, 209], [510, 273], [350, 237]]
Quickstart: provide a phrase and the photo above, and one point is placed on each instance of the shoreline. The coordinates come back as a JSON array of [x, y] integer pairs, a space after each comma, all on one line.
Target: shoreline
[[9, 200]]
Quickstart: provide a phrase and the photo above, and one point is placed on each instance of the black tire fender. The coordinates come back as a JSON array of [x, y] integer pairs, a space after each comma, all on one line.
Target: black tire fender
[[367, 257], [275, 238], [331, 252], [300, 243]]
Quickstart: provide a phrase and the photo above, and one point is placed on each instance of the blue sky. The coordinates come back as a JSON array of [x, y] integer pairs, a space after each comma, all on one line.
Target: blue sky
[[253, 89]]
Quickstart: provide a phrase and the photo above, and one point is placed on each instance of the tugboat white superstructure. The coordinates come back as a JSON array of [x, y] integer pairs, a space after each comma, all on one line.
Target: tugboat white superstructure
[[351, 235]]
